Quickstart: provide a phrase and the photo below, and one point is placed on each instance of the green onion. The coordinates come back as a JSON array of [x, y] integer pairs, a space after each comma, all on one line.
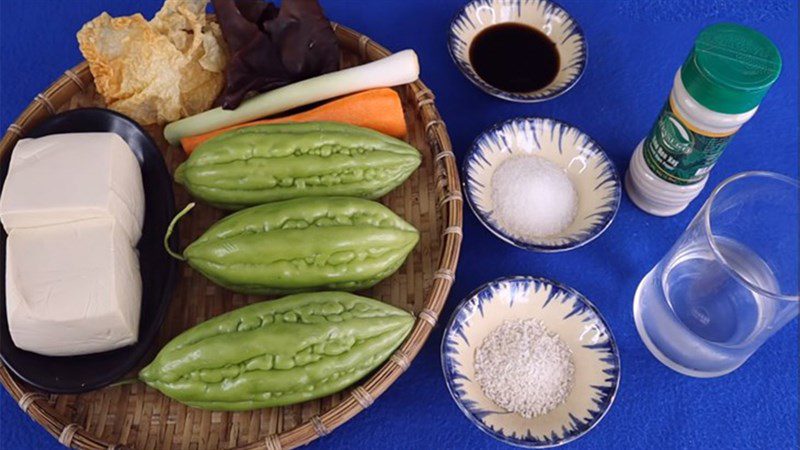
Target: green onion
[[399, 68]]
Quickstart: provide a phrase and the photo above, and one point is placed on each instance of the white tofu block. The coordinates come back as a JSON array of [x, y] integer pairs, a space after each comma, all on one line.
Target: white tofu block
[[67, 177], [72, 288]]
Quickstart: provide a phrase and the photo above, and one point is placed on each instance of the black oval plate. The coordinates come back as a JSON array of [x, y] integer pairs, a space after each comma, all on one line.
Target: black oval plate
[[75, 374]]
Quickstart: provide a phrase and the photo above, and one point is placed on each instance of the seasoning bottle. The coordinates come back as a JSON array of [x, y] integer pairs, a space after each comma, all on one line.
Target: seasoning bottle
[[717, 90]]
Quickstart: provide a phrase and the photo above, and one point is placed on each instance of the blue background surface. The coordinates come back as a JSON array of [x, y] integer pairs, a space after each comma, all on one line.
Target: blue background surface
[[634, 49]]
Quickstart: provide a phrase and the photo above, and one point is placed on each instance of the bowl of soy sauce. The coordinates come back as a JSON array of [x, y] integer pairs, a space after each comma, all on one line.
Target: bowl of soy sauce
[[518, 50]]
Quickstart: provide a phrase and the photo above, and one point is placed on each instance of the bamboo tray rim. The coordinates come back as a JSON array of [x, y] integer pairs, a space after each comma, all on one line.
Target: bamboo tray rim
[[449, 202]]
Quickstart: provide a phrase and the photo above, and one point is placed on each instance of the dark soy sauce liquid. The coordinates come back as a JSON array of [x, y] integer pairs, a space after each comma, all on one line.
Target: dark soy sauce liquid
[[514, 57]]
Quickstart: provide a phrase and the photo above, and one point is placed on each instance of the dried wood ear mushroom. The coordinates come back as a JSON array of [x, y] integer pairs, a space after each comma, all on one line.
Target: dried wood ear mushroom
[[157, 71], [272, 47]]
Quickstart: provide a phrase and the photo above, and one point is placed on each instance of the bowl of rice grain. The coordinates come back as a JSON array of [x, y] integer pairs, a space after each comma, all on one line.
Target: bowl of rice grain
[[540, 184], [530, 362]]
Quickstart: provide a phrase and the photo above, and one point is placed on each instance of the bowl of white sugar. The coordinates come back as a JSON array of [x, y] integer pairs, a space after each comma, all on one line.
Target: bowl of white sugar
[[540, 184], [530, 362]]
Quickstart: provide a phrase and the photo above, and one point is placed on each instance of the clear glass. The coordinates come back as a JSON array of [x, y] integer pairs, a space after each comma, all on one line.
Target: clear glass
[[729, 282]]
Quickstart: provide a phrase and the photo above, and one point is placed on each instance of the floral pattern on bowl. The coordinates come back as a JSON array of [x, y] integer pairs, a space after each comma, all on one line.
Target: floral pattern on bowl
[[543, 15], [586, 164], [564, 312]]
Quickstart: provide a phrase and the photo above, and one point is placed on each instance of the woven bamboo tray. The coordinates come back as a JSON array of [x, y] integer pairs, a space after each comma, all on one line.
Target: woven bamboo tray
[[134, 416]]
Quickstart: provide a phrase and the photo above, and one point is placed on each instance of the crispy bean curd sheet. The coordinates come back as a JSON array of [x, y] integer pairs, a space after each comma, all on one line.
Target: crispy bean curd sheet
[[157, 71]]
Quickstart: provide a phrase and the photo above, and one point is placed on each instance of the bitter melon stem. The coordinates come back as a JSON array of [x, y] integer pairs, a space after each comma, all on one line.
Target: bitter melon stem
[[171, 227], [124, 382]]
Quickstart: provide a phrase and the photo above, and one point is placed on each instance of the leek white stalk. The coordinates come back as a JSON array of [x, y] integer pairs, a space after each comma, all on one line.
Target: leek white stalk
[[394, 70]]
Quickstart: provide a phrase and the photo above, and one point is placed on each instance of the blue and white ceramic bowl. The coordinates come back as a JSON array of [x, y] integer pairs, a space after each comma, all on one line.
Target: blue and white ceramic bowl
[[564, 312], [543, 15], [586, 164]]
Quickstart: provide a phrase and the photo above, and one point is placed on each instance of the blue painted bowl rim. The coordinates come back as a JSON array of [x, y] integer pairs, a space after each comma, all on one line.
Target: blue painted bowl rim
[[608, 217], [516, 96], [477, 422]]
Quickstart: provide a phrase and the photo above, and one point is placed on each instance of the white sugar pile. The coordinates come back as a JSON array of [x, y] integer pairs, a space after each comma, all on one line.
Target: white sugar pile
[[523, 368], [533, 197]]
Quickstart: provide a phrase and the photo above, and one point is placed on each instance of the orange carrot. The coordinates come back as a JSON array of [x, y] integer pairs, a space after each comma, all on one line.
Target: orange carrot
[[379, 109]]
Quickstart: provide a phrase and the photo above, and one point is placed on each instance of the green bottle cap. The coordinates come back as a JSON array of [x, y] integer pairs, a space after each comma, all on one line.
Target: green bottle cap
[[731, 68]]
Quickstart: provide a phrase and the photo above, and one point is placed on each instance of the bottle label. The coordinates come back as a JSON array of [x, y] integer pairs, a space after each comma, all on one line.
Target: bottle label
[[680, 153]]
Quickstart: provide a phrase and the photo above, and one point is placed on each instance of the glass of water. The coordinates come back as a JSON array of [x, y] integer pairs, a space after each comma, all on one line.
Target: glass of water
[[729, 282]]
